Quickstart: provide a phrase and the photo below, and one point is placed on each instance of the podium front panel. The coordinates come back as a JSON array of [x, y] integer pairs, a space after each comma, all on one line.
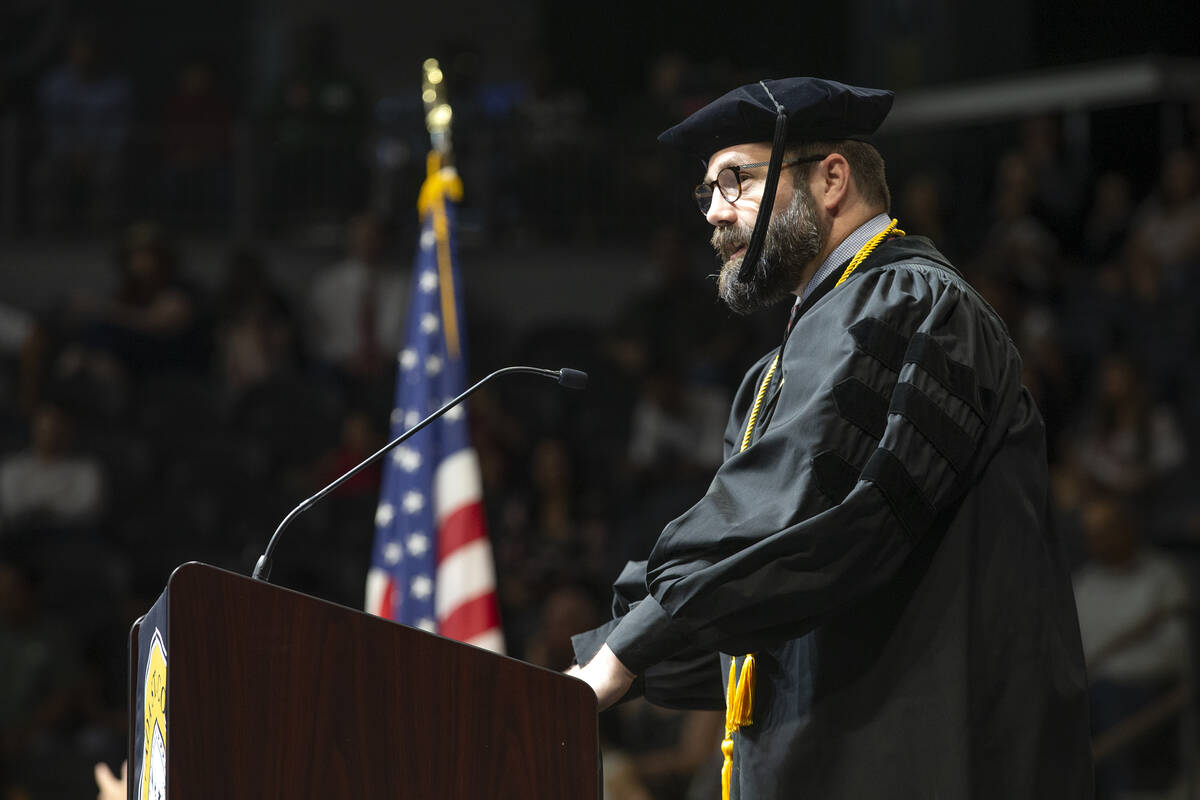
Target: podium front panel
[[277, 694]]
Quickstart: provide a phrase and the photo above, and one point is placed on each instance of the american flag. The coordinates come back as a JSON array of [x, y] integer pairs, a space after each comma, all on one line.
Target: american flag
[[431, 566]]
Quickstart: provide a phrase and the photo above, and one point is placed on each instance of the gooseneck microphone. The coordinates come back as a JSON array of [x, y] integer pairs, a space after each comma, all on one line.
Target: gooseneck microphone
[[570, 378]]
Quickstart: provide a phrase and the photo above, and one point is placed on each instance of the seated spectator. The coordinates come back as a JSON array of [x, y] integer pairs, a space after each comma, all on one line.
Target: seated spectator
[[43, 676], [16, 326], [48, 483], [675, 317], [358, 307], [256, 338], [85, 107], [1157, 308], [620, 776], [358, 440], [151, 324], [677, 428], [199, 135], [1019, 249], [1127, 442], [553, 478], [1107, 223], [675, 754], [1132, 604], [21, 340], [924, 210], [1170, 219], [1058, 177], [565, 611], [1046, 373]]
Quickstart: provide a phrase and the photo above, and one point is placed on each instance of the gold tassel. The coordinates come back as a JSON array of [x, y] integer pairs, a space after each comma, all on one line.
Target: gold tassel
[[739, 707], [727, 767], [743, 700]]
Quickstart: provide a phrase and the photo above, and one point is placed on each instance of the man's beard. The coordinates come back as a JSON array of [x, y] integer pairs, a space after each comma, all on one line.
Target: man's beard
[[794, 238]]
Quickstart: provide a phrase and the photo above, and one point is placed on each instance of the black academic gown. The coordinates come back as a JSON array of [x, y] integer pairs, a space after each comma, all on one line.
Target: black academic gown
[[883, 548]]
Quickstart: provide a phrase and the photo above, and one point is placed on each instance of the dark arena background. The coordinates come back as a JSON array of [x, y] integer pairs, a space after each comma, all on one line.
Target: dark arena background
[[181, 185]]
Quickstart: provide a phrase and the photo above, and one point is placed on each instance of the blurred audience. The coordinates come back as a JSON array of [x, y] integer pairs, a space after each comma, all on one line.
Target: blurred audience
[[1127, 442], [1170, 218], [318, 114], [924, 207], [43, 674], [358, 306], [86, 107], [359, 439], [675, 755], [1133, 618], [564, 612], [256, 335], [1108, 220], [1019, 249], [48, 484], [151, 323], [1058, 177], [199, 139], [678, 427], [675, 319]]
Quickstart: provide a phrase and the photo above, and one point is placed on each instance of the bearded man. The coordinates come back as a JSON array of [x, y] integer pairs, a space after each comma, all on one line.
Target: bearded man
[[870, 586]]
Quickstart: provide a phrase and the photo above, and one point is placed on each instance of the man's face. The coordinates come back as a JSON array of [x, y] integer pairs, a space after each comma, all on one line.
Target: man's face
[[794, 238]]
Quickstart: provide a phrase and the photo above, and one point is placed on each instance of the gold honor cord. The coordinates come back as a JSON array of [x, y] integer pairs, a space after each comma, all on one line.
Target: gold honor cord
[[739, 694], [762, 391], [869, 248]]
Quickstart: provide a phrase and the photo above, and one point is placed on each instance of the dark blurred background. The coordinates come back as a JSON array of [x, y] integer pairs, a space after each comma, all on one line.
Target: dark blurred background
[[195, 199]]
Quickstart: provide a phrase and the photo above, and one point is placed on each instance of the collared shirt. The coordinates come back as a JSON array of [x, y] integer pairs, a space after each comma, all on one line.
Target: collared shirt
[[336, 304], [845, 251]]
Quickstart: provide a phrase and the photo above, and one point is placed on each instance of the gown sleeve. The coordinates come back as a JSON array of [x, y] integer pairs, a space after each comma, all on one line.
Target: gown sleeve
[[690, 679], [883, 417]]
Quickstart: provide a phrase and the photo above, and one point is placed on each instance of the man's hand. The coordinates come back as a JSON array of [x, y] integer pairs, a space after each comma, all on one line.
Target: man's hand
[[606, 675]]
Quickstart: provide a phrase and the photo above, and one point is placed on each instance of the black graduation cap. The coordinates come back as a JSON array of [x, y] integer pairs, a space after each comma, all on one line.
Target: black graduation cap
[[778, 111], [815, 108]]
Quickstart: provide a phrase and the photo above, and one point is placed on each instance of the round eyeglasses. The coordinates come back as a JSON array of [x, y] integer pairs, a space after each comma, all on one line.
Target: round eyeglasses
[[729, 181]]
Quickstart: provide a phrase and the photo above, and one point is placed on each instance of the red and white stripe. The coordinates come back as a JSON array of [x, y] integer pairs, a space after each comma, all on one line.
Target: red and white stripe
[[380, 593], [465, 585], [465, 599]]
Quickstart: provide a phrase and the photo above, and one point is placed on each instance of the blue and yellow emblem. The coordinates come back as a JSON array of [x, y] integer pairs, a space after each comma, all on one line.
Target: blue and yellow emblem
[[153, 780]]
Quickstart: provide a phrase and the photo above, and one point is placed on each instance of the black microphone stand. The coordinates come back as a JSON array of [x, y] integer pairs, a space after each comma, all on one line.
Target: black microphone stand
[[571, 378]]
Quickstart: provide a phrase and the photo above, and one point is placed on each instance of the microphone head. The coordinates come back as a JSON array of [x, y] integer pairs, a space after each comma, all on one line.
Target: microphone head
[[572, 378]]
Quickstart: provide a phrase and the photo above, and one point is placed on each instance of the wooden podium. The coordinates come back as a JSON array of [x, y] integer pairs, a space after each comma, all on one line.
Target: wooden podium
[[271, 693]]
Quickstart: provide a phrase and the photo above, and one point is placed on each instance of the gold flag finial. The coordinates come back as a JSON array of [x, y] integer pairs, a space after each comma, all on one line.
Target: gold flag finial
[[438, 114]]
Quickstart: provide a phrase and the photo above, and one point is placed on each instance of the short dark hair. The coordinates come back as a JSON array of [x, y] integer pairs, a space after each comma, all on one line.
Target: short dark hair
[[866, 165]]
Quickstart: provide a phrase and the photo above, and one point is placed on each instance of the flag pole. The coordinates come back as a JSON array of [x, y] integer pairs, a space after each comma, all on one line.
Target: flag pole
[[438, 114], [441, 181], [431, 565]]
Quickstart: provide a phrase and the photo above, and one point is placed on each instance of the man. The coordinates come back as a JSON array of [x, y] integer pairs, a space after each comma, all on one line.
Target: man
[[358, 306], [1133, 619], [876, 540]]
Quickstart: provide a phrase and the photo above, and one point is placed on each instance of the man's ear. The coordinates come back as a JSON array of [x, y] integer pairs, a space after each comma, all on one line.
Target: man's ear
[[832, 183]]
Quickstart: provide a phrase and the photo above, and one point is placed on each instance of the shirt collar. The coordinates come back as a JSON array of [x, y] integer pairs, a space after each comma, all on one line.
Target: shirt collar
[[845, 251]]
